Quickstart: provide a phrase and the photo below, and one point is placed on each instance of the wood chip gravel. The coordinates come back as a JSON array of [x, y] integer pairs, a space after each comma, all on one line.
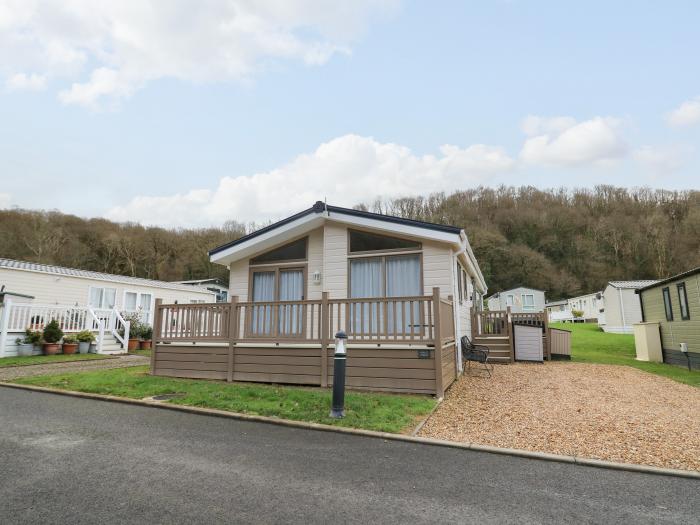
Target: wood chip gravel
[[614, 413]]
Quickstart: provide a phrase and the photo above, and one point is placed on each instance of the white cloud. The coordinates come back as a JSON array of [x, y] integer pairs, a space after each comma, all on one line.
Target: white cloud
[[5, 200], [561, 141], [687, 114], [24, 82], [662, 160], [110, 49], [347, 170]]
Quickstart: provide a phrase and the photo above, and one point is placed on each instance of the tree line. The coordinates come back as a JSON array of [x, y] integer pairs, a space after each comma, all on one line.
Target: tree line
[[566, 242]]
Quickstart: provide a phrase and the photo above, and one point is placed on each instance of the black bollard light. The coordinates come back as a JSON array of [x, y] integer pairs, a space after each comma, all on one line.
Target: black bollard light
[[338, 405]]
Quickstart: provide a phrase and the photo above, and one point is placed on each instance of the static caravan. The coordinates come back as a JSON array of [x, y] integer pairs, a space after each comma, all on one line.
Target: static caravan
[[674, 303], [519, 300], [400, 289], [73, 296], [621, 306]]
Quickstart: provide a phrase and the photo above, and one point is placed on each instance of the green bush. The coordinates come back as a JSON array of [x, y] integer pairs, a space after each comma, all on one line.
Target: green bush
[[146, 332], [86, 336], [52, 332], [32, 336], [577, 313], [70, 339]]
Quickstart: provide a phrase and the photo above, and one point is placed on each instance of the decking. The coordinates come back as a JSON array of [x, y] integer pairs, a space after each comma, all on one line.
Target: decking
[[398, 344], [494, 329]]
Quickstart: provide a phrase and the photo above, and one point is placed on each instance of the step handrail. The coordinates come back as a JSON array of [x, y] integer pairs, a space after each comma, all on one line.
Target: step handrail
[[100, 328], [118, 319]]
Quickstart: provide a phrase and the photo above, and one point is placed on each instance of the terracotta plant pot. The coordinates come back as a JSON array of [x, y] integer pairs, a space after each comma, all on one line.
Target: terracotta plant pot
[[133, 344], [51, 348], [70, 348], [145, 345]]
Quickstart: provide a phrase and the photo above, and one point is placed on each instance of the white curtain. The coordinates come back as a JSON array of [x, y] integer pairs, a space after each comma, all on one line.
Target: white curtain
[[291, 289], [403, 279], [263, 291], [365, 282], [130, 301]]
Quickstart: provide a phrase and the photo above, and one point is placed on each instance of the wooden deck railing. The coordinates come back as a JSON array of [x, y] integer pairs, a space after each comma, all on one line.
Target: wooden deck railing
[[397, 320]]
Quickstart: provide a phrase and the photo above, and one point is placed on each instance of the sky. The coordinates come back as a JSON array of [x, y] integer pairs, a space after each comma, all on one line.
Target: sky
[[188, 113]]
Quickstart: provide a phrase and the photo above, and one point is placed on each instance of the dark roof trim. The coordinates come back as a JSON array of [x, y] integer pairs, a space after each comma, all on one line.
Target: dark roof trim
[[320, 207], [669, 279]]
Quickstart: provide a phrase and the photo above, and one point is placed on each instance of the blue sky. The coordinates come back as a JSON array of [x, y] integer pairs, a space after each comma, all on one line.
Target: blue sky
[[162, 117]]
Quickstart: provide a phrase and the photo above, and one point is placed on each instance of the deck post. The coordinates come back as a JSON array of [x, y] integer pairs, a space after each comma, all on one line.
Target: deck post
[[157, 329], [232, 335], [548, 348], [439, 392], [511, 342], [325, 328]]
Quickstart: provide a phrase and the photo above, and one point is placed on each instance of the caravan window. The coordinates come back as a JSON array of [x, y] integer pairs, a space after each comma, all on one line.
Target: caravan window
[[667, 304], [102, 298], [528, 302], [683, 301]]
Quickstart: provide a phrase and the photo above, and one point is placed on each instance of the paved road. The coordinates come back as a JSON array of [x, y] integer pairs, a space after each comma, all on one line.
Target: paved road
[[123, 361], [68, 460]]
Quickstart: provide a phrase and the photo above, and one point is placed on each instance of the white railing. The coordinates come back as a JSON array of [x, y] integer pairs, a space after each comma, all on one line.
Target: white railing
[[36, 316], [99, 324], [117, 322]]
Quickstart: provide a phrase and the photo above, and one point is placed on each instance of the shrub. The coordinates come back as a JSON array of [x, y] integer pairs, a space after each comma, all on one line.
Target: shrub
[[70, 339], [32, 336], [135, 325], [86, 336], [577, 313], [146, 332], [52, 332]]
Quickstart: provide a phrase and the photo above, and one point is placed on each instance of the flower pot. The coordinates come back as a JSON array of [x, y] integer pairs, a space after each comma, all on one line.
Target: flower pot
[[37, 350], [145, 345], [25, 349], [51, 348], [133, 344], [84, 347], [93, 348], [69, 348]]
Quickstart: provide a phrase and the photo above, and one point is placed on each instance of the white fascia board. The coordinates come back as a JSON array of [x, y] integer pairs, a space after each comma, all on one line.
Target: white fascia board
[[268, 239], [393, 227], [468, 258]]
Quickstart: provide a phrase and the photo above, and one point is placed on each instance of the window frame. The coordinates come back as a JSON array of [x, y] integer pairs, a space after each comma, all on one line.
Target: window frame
[[527, 308], [279, 262], [277, 269], [683, 299], [411, 249], [383, 257], [103, 288], [668, 305]]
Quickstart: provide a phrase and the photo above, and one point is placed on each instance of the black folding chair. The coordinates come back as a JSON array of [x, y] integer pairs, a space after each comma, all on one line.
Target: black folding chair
[[475, 353]]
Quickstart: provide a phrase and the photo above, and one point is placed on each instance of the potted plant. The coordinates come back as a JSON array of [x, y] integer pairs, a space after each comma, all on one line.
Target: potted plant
[[51, 336], [135, 328], [25, 346], [84, 339], [34, 337], [146, 337], [70, 344]]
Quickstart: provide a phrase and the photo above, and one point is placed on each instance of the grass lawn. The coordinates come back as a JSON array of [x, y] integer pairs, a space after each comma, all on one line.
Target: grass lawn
[[145, 353], [383, 412], [589, 344], [47, 359]]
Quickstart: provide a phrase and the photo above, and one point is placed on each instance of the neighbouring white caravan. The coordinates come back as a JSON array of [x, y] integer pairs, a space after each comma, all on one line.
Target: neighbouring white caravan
[[55, 290], [621, 306], [519, 300], [590, 305]]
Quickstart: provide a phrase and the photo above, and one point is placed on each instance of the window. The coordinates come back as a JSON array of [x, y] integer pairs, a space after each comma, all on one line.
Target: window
[[528, 302], [102, 298], [509, 300], [138, 303], [459, 284], [294, 251], [683, 301], [465, 283], [279, 284], [667, 304], [372, 242]]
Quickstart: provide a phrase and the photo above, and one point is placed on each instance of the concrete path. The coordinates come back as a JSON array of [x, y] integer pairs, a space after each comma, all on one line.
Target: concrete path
[[13, 372], [69, 460]]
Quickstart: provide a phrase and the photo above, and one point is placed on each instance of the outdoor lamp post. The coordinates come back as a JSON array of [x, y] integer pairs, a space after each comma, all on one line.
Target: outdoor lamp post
[[338, 405]]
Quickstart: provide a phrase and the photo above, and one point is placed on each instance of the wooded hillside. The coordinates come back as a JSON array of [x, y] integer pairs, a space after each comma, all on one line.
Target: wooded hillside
[[565, 242]]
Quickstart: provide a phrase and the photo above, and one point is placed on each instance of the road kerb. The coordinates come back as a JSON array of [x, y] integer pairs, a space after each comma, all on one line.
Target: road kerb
[[527, 454]]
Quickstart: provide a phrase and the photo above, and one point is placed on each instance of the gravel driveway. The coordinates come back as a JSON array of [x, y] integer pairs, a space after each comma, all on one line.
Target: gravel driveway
[[14, 372], [607, 412]]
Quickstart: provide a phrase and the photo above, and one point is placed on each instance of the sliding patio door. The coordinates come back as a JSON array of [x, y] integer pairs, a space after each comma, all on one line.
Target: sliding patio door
[[291, 288], [388, 276]]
